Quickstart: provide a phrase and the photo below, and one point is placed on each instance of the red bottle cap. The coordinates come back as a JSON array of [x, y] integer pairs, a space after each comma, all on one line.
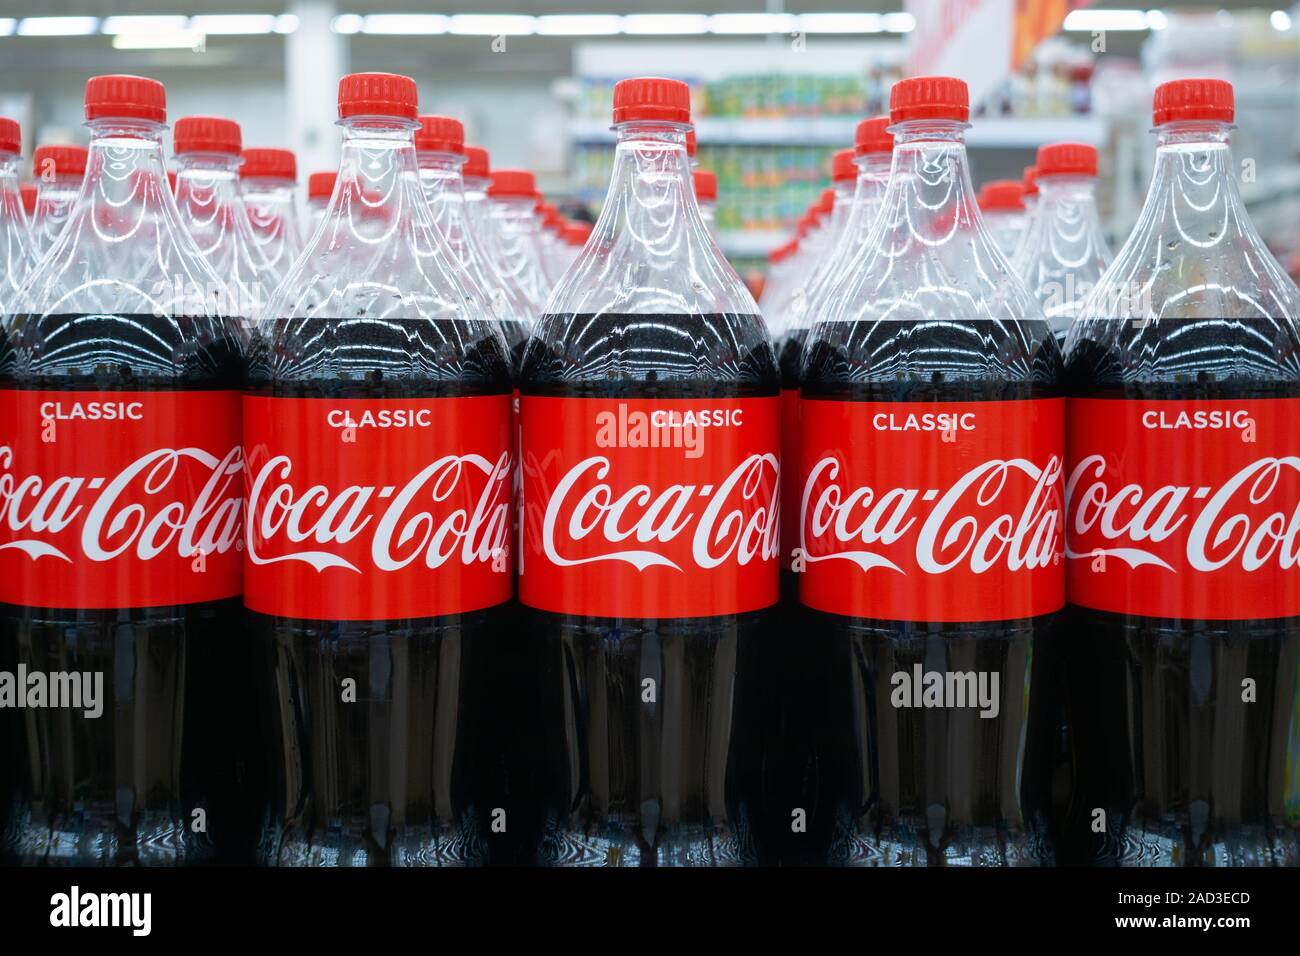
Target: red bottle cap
[[929, 97], [782, 251], [577, 233], [171, 180], [652, 98], [127, 97], [825, 202], [321, 185], [551, 218], [440, 134], [1067, 159], [269, 164], [706, 185], [843, 167], [206, 134], [691, 144], [1029, 184], [1002, 194], [873, 136], [60, 160], [377, 94], [513, 182], [28, 192], [11, 137], [476, 163], [1196, 99]]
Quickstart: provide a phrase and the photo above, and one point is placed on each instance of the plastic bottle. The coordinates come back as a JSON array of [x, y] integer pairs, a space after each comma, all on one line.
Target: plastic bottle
[[512, 198], [1002, 204], [59, 171], [15, 234], [268, 180]]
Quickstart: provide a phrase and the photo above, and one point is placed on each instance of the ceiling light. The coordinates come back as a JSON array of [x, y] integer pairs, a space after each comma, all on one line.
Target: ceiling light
[[347, 23], [7, 26], [841, 23], [665, 24], [57, 26], [579, 25], [112, 26], [234, 24], [286, 23], [752, 23], [405, 24], [1157, 20], [1098, 21], [899, 22], [492, 24], [162, 40]]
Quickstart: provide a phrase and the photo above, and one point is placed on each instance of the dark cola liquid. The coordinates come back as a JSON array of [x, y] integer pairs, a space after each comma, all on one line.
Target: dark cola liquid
[[630, 783], [123, 788], [410, 772], [929, 786], [1187, 772]]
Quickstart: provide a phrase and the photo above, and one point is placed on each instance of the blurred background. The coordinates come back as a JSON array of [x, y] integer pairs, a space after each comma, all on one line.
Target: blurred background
[[778, 85]]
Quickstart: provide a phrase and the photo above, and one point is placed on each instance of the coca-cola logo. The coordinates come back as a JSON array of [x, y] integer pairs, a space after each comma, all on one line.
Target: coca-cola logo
[[982, 520], [424, 519], [147, 509], [734, 520], [1250, 519]]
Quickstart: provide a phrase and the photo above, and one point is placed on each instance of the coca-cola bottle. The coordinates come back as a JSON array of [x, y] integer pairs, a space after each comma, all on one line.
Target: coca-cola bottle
[[648, 569], [121, 518], [1002, 207], [706, 195], [268, 179], [1063, 252], [208, 152], [552, 240], [15, 234], [440, 150], [59, 171], [1183, 512], [320, 187], [476, 175], [931, 495], [27, 191], [1029, 191], [517, 231], [378, 567], [576, 234]]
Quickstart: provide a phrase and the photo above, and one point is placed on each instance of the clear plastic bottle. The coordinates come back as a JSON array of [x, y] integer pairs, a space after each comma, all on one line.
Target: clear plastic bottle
[[512, 201], [706, 194], [207, 152], [1002, 204], [1029, 190], [780, 268], [268, 181], [378, 368], [552, 237], [15, 232], [930, 489], [1063, 252], [576, 234], [59, 171], [121, 398], [1184, 377], [320, 187], [477, 177], [651, 328], [440, 151]]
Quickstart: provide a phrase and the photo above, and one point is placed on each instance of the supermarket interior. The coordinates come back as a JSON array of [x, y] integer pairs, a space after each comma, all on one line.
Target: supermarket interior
[[778, 86]]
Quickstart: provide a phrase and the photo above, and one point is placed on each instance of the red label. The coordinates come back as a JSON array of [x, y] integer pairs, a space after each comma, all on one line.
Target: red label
[[932, 511], [377, 509], [1183, 509], [650, 508], [789, 487], [119, 499]]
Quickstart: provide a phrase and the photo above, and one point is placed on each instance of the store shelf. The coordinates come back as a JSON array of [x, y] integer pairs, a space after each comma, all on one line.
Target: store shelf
[[1020, 133]]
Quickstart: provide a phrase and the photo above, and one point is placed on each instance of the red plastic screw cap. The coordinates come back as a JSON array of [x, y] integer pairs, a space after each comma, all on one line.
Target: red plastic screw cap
[[269, 164], [1002, 194], [59, 160], [128, 97], [440, 134], [825, 202], [11, 137], [513, 182], [1195, 99], [652, 98], [929, 97], [28, 193], [321, 185], [207, 134], [577, 233], [706, 185], [873, 136], [1029, 184], [476, 163], [691, 144], [377, 94], [843, 167], [1067, 159]]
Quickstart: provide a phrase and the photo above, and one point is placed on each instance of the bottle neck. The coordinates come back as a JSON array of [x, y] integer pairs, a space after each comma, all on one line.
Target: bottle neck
[[1198, 157], [652, 181], [929, 176], [268, 190], [379, 169], [1072, 197], [124, 162], [8, 167], [516, 214]]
